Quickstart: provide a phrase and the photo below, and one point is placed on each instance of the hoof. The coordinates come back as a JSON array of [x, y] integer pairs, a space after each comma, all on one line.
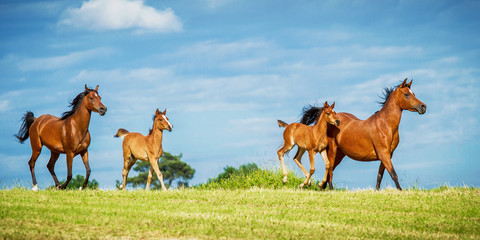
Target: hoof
[[302, 185], [35, 188], [284, 180]]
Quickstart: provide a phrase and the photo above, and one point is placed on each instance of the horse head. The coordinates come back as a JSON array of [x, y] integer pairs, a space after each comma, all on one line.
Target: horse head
[[330, 114], [161, 121], [406, 98], [94, 102]]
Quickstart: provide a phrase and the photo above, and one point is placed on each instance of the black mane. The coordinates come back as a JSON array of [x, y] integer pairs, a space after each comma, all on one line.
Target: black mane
[[311, 114], [75, 103], [386, 94]]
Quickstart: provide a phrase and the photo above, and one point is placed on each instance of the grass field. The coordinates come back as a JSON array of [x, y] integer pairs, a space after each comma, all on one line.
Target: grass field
[[444, 213]]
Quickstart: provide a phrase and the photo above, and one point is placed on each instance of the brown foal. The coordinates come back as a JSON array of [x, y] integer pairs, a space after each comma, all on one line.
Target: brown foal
[[308, 138], [145, 148]]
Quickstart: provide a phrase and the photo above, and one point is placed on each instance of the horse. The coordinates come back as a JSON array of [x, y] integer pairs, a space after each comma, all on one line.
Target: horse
[[68, 134], [145, 148], [375, 138], [308, 138]]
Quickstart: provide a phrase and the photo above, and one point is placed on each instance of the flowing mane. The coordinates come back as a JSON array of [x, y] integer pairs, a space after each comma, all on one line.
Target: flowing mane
[[310, 114], [75, 103]]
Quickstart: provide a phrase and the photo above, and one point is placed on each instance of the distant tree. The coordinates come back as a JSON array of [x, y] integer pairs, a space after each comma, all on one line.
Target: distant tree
[[172, 168], [77, 182]]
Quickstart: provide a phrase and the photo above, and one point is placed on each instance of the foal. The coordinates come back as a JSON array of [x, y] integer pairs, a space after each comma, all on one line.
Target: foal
[[308, 138], [145, 148]]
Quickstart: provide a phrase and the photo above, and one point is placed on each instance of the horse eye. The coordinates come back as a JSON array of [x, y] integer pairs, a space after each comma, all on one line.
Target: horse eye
[[328, 114], [406, 94], [91, 98]]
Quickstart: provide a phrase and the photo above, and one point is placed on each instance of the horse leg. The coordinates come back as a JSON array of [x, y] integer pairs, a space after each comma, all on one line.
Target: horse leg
[[128, 162], [381, 170], [154, 165], [51, 166], [387, 163], [327, 168], [70, 156], [298, 160], [84, 156], [36, 145], [311, 156], [149, 179], [287, 146]]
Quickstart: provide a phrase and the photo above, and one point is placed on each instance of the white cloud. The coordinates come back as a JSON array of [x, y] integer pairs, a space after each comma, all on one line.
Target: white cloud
[[100, 15], [48, 63]]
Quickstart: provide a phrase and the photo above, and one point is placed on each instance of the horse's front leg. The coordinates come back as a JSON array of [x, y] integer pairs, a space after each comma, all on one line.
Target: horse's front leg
[[381, 170], [87, 168], [387, 163], [70, 156], [51, 166], [154, 165], [327, 168]]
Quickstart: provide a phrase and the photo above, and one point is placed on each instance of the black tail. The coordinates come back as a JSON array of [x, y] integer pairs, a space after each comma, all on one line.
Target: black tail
[[27, 121], [310, 114]]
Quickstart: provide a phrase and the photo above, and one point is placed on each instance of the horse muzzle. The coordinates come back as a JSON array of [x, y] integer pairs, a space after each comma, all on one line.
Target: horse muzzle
[[422, 108], [102, 111]]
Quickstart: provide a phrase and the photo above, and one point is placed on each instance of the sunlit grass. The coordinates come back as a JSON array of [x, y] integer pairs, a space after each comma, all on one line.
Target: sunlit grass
[[254, 213]]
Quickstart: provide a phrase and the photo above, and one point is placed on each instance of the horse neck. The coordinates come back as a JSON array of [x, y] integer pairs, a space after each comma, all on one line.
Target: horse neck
[[155, 137], [392, 112], [82, 117], [321, 125]]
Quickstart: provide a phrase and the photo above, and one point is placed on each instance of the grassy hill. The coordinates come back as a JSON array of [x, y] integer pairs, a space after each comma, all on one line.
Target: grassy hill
[[255, 213]]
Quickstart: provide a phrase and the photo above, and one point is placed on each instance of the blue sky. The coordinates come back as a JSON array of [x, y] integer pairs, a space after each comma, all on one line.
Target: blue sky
[[227, 70]]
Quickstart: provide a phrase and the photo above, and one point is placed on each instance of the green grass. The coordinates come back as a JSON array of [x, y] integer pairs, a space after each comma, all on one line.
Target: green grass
[[255, 213]]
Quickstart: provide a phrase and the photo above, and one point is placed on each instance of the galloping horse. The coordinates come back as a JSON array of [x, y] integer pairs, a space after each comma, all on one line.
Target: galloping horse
[[145, 148], [374, 138], [68, 134], [308, 138]]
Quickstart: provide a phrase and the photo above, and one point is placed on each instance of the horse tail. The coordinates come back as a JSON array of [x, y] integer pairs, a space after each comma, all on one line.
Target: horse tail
[[310, 114], [282, 123], [121, 132], [27, 121]]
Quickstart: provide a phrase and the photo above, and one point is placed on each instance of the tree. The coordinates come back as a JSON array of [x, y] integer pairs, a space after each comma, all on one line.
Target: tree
[[172, 168], [77, 182]]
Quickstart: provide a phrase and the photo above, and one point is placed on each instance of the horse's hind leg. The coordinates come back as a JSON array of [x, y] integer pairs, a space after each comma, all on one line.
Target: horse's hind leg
[[36, 150], [51, 166], [286, 147], [128, 162]]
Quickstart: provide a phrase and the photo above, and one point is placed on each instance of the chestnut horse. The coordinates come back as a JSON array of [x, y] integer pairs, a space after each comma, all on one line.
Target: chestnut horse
[[68, 134], [308, 138], [374, 138], [145, 148]]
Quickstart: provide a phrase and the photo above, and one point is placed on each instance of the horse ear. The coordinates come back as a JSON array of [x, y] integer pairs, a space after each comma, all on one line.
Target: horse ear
[[164, 111], [325, 105], [86, 88], [404, 83], [96, 89], [333, 105], [157, 112], [409, 85]]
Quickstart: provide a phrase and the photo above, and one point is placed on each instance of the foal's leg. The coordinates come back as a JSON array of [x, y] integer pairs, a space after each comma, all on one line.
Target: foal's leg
[[311, 156], [149, 179], [298, 160], [87, 168], [154, 165], [51, 166], [287, 146], [381, 170], [128, 162]]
